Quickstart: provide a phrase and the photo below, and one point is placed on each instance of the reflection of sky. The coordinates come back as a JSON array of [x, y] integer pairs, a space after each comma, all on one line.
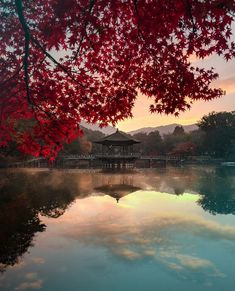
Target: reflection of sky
[[149, 239]]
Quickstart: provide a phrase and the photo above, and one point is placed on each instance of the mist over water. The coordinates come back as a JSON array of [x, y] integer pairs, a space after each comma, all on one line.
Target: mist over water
[[154, 228]]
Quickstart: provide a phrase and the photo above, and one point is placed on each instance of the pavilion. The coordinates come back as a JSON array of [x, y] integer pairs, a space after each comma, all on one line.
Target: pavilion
[[117, 151]]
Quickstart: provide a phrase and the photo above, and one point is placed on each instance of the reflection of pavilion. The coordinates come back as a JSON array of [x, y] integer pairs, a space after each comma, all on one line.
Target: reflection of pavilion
[[117, 191], [117, 151]]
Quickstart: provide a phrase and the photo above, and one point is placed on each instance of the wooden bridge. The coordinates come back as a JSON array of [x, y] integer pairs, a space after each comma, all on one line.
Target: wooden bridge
[[134, 155], [89, 160]]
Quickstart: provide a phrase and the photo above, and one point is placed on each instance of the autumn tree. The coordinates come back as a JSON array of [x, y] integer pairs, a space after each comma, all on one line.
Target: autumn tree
[[154, 143], [64, 61], [171, 140], [84, 144], [219, 128], [184, 149], [150, 144], [197, 137]]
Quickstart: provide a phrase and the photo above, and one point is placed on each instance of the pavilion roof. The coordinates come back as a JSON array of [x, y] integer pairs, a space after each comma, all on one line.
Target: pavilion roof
[[118, 137]]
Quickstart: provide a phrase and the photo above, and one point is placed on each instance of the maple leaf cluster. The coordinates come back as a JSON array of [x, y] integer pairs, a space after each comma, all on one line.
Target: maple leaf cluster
[[64, 61]]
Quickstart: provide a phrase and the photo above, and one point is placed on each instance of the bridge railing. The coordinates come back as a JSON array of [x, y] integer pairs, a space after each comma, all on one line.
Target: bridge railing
[[162, 158], [79, 157], [26, 163], [113, 156]]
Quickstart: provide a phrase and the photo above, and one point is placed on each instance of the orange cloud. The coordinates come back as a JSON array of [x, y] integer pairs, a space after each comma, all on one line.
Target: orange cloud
[[227, 85]]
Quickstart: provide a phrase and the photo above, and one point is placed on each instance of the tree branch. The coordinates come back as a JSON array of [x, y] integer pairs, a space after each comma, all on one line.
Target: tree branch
[[19, 9], [28, 37], [91, 5], [140, 33], [189, 11], [37, 43]]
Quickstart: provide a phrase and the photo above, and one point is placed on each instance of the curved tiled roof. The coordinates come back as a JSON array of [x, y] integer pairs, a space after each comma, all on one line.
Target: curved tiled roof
[[117, 137]]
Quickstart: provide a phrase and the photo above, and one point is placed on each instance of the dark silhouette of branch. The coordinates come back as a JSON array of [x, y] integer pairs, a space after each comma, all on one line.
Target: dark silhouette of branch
[[140, 33], [37, 43], [28, 37], [91, 5], [19, 9], [189, 11]]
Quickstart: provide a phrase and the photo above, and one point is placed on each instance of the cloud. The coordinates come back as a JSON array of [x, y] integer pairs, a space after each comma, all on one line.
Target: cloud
[[194, 59], [175, 266], [149, 252], [31, 276], [30, 285], [186, 265], [108, 231], [227, 85], [193, 263], [32, 282], [149, 229], [128, 254], [38, 260]]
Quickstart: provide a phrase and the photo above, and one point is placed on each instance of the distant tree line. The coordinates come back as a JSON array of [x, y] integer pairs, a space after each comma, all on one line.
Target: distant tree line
[[215, 136], [84, 144]]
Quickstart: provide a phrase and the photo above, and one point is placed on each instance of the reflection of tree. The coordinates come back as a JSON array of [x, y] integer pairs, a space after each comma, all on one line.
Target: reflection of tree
[[218, 191], [172, 180], [23, 197], [215, 185], [19, 223]]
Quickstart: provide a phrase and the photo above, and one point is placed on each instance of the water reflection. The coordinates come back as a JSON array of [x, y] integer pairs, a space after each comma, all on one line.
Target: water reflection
[[19, 223], [25, 195], [136, 233], [218, 191], [28, 195], [117, 189]]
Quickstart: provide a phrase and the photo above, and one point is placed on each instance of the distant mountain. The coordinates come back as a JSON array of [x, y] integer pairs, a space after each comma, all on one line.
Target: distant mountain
[[164, 129], [95, 127]]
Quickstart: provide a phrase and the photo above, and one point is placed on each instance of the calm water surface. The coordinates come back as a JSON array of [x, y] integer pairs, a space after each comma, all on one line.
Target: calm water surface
[[159, 229]]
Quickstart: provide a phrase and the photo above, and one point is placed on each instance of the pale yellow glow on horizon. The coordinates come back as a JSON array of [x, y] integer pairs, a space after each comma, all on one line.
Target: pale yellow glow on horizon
[[143, 118]]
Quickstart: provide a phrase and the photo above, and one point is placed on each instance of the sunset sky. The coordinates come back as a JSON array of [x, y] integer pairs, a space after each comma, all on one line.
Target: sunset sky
[[226, 81]]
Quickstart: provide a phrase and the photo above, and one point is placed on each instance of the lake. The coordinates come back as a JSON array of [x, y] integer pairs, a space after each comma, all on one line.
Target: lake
[[154, 229]]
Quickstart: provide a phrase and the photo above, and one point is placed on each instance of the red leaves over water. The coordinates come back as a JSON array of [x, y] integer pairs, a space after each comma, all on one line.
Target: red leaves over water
[[104, 53]]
